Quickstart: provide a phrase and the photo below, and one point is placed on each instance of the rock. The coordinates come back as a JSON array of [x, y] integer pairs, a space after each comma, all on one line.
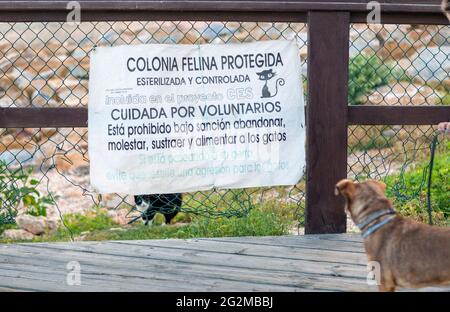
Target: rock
[[111, 214], [8, 61], [119, 216], [403, 93], [388, 41], [32, 224], [17, 234], [78, 63], [72, 91], [79, 238], [396, 50], [52, 224], [389, 133], [65, 149], [71, 160], [442, 36], [17, 157], [17, 142], [54, 67], [215, 30], [42, 94], [117, 229], [113, 201], [431, 65], [364, 39], [10, 93]]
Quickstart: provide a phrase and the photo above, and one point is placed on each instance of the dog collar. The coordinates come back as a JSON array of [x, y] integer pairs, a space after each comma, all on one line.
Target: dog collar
[[372, 217], [376, 226]]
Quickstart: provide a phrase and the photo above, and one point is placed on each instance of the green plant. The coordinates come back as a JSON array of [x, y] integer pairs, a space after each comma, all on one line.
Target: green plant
[[91, 221], [445, 99], [4, 227], [17, 187], [371, 143], [408, 189], [367, 72], [272, 217]]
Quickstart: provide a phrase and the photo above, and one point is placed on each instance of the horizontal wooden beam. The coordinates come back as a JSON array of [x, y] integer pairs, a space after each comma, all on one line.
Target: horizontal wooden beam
[[144, 15], [397, 115], [408, 11], [66, 117], [404, 6], [296, 17], [27, 117], [400, 18]]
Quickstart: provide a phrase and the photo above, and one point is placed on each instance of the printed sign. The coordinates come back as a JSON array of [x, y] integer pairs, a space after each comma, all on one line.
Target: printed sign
[[181, 118]]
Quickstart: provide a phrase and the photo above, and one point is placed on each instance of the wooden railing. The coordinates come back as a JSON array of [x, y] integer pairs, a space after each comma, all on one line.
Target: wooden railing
[[328, 113]]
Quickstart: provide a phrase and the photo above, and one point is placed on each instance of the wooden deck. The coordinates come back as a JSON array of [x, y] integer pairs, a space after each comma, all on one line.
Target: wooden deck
[[287, 263]]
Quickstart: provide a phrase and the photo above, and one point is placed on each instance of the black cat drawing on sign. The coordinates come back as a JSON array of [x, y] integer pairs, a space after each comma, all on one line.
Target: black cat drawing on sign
[[266, 75]]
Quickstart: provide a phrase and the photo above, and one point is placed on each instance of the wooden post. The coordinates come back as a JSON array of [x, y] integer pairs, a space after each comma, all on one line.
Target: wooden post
[[326, 120]]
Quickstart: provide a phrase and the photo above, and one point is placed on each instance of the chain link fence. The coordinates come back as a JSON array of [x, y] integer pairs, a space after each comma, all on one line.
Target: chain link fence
[[400, 65], [47, 65]]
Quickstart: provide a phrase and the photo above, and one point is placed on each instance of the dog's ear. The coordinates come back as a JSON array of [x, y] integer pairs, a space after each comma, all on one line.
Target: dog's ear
[[345, 187]]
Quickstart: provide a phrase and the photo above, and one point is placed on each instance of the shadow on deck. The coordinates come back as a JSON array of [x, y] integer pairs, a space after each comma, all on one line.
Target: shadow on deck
[[331, 262]]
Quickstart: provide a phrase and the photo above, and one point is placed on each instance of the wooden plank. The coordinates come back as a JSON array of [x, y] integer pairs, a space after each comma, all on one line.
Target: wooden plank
[[165, 275], [322, 246], [143, 15], [182, 265], [122, 278], [293, 242], [27, 117], [155, 267], [245, 248], [9, 289], [397, 115], [191, 254], [425, 11], [38, 277], [234, 257], [398, 18], [165, 252], [404, 6], [344, 237], [326, 121], [13, 117]]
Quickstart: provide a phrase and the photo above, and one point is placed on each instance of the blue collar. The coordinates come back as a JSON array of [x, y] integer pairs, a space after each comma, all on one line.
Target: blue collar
[[376, 226], [373, 217]]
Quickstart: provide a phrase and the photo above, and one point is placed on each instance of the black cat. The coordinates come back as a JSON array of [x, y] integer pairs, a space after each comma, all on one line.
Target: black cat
[[266, 75], [167, 204]]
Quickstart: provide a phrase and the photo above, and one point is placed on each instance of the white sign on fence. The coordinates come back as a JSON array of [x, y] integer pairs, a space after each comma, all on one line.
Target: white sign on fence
[[180, 118]]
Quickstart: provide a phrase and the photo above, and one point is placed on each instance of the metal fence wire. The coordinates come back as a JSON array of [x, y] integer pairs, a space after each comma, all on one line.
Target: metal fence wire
[[47, 65], [399, 65]]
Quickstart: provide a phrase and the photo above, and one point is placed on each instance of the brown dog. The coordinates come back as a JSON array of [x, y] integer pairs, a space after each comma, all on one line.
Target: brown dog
[[410, 254]]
